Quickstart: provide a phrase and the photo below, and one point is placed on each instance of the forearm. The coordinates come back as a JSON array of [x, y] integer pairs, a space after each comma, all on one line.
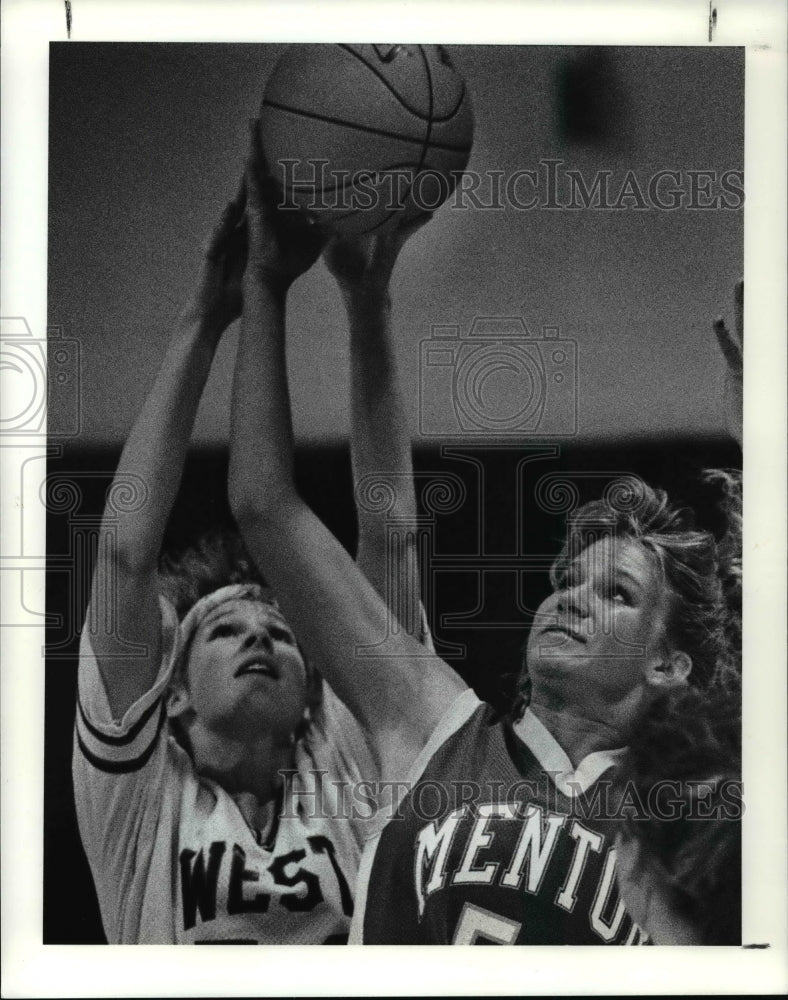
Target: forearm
[[381, 453], [156, 448], [331, 605], [125, 587], [261, 453]]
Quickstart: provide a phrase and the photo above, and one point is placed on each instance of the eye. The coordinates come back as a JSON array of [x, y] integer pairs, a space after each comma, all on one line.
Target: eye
[[566, 579], [621, 594], [221, 631], [281, 634]]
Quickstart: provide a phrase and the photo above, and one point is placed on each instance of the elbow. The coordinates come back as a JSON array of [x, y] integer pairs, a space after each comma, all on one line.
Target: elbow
[[378, 540], [132, 562], [250, 494], [264, 527], [249, 510], [257, 511]]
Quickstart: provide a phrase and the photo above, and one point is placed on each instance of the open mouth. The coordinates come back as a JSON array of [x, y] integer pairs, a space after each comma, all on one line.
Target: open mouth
[[263, 668], [562, 630]]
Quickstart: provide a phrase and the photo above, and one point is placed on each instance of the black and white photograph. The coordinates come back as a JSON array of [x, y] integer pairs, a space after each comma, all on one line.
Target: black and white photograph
[[399, 498]]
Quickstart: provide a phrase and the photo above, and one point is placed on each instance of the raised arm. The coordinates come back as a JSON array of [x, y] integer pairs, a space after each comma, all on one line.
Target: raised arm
[[398, 692], [732, 347], [380, 439], [125, 577]]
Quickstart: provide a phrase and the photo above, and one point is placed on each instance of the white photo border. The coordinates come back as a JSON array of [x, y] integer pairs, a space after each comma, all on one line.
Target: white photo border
[[32, 969]]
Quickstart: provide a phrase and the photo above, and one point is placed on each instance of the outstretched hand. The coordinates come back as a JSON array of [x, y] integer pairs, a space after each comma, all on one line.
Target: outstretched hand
[[216, 299], [283, 241], [366, 262], [732, 347]]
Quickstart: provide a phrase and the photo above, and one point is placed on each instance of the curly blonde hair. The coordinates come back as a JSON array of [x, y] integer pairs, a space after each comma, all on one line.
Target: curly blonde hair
[[701, 573]]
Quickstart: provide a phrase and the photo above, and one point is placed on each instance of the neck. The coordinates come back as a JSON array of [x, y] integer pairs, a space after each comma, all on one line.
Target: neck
[[579, 730], [243, 768]]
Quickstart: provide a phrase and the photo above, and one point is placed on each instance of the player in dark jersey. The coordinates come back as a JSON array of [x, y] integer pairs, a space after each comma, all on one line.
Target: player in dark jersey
[[502, 831], [512, 823]]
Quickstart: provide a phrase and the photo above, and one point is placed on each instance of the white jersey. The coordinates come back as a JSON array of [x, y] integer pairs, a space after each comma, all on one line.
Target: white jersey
[[172, 857]]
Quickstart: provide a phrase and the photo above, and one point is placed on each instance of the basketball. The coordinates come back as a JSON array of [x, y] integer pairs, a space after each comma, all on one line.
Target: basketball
[[356, 134]]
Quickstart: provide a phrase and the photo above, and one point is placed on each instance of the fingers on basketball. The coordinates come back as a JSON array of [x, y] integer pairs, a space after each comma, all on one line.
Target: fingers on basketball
[[729, 346], [238, 204], [230, 224], [261, 187], [214, 247]]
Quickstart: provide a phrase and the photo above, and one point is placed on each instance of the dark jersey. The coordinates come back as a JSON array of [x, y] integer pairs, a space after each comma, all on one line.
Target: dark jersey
[[485, 849]]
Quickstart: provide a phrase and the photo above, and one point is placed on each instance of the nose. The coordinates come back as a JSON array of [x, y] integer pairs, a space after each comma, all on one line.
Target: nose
[[573, 601], [258, 637]]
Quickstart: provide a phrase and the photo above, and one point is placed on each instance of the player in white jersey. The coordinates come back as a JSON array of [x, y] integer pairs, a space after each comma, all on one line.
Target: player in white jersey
[[217, 799], [179, 857]]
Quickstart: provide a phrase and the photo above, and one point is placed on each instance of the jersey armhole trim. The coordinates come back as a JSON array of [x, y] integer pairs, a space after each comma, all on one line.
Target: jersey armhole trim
[[123, 738], [456, 715], [124, 766]]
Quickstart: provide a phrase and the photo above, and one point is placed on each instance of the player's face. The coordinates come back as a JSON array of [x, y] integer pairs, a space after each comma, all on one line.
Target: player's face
[[246, 671], [602, 632]]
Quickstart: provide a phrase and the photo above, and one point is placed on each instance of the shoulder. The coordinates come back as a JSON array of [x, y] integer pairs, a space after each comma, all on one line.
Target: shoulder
[[91, 691], [124, 745], [452, 751], [336, 741], [459, 741]]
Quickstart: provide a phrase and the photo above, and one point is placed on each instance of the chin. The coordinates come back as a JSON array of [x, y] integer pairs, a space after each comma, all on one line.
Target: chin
[[552, 666], [554, 678]]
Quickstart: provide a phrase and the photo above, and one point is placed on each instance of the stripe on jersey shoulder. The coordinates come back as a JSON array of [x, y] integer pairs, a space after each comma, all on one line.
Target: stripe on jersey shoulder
[[123, 738], [119, 755]]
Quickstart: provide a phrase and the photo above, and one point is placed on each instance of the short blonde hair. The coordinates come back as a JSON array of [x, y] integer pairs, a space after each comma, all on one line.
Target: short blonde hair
[[216, 569]]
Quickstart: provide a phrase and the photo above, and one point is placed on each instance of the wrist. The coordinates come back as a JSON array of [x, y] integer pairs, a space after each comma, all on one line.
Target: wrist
[[270, 282], [367, 299], [194, 324]]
